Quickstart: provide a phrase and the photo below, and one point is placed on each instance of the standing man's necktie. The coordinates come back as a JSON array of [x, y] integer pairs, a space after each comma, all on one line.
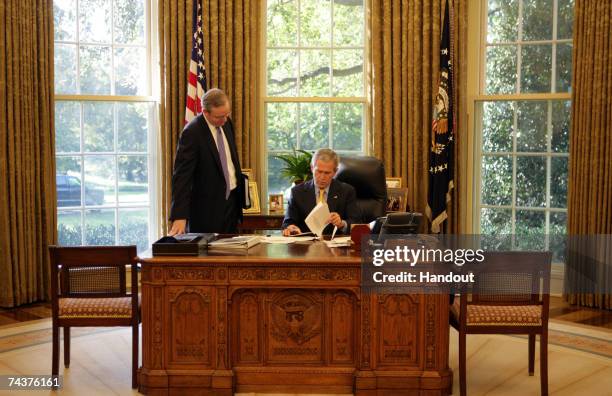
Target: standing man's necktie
[[321, 195], [223, 158]]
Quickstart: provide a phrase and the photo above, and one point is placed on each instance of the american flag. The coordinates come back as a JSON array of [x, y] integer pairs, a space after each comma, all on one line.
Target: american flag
[[196, 84]]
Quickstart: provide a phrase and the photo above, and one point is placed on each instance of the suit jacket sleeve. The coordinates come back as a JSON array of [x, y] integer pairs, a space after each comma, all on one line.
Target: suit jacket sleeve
[[292, 215], [182, 176]]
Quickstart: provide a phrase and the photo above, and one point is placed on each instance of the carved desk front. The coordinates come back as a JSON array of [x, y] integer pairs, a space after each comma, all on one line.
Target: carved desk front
[[286, 318]]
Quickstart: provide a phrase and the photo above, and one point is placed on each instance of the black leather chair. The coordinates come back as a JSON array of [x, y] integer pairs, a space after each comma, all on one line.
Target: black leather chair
[[367, 176]]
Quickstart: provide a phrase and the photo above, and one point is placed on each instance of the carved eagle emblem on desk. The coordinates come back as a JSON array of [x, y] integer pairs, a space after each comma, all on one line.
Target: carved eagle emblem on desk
[[295, 318]]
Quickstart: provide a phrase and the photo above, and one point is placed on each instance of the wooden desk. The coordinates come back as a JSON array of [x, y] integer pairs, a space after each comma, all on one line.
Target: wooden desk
[[286, 318]]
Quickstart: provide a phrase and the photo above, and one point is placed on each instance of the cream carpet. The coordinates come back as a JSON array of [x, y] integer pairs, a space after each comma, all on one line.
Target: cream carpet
[[580, 361]]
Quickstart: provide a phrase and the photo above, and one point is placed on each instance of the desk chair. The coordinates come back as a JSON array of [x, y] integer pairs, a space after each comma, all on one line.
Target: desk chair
[[367, 176], [88, 286], [510, 295]]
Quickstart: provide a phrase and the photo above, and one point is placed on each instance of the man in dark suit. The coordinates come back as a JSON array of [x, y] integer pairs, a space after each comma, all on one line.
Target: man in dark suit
[[339, 196], [207, 184]]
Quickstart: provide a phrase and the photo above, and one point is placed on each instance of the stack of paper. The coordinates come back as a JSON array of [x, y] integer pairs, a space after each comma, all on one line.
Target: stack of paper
[[237, 242], [318, 218], [339, 242]]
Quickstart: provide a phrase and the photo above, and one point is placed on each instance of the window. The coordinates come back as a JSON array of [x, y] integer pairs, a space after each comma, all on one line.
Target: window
[[523, 113], [315, 79], [104, 122]]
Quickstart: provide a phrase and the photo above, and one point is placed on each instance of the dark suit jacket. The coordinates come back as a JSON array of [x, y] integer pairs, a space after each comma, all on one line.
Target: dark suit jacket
[[341, 198], [198, 185]]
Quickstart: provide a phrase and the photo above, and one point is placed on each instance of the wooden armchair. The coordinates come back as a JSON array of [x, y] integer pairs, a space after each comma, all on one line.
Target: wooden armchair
[[510, 295], [88, 286]]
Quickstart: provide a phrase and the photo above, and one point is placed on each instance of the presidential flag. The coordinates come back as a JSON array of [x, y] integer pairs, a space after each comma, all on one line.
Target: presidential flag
[[442, 134], [196, 84]]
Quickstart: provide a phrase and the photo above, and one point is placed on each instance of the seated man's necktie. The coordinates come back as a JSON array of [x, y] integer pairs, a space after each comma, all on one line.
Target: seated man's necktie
[[321, 195]]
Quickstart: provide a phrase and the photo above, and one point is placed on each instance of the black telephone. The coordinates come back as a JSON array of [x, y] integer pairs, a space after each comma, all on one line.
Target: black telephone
[[397, 223]]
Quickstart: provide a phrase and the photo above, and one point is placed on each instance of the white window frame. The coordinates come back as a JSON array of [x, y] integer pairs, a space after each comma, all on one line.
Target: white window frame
[[150, 45], [265, 100], [477, 28]]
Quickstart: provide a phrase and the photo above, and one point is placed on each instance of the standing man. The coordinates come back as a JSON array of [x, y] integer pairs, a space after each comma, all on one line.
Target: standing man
[[207, 185], [340, 197]]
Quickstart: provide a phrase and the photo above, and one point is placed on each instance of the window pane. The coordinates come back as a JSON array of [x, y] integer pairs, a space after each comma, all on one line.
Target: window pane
[[64, 20], [282, 23], [130, 71], [501, 70], [537, 20], [348, 73], [531, 124], [531, 228], [95, 21], [558, 232], [536, 68], [315, 79], [67, 127], [495, 221], [314, 125], [100, 227], [558, 182], [95, 69], [281, 125], [561, 111], [565, 19], [134, 228], [347, 121], [498, 120], [98, 126], [99, 180], [68, 181], [315, 23], [348, 22], [69, 231], [282, 73], [502, 21], [133, 179], [277, 184], [564, 67], [65, 74], [132, 126], [496, 180], [129, 21], [531, 181]]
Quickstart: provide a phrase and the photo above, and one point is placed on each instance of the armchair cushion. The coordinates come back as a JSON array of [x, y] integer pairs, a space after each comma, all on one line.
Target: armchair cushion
[[500, 315], [110, 307]]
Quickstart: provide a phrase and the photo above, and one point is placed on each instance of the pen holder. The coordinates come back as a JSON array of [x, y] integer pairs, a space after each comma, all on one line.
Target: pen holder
[[357, 233]]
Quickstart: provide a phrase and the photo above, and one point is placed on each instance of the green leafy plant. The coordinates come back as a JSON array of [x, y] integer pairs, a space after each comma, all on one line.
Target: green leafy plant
[[297, 165]]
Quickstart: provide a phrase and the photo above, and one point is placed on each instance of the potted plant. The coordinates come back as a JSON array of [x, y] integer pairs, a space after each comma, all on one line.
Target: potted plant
[[297, 166]]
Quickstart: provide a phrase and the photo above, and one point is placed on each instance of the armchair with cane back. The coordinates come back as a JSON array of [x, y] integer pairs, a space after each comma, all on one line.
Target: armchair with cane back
[[510, 295], [88, 286]]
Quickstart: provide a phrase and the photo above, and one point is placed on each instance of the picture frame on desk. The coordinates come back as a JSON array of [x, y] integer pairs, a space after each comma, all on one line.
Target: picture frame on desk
[[254, 194], [275, 203], [394, 182], [397, 199]]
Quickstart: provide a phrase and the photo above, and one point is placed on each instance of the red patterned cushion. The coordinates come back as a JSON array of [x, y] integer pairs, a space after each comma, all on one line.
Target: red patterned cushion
[[115, 307], [501, 315]]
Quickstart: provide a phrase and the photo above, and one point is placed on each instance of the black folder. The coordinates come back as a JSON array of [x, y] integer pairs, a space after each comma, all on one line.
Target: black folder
[[182, 245]]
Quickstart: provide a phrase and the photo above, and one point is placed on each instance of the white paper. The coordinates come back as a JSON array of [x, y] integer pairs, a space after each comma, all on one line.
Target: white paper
[[318, 218], [334, 232], [286, 240], [339, 242]]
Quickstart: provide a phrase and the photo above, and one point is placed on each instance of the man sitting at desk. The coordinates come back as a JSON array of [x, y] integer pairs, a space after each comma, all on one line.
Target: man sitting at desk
[[339, 196]]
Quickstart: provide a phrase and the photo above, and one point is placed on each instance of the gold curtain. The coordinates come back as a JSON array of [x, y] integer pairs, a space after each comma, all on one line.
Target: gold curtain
[[404, 43], [231, 56], [590, 165], [27, 198]]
